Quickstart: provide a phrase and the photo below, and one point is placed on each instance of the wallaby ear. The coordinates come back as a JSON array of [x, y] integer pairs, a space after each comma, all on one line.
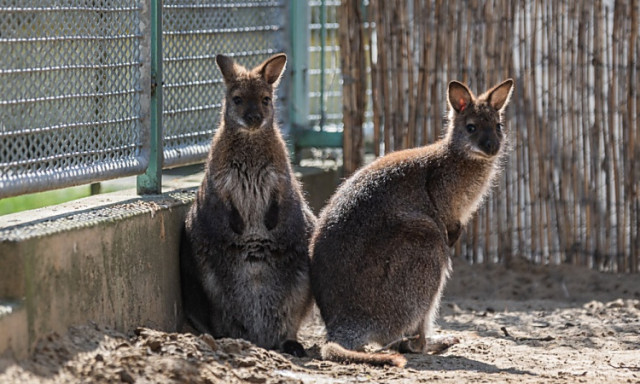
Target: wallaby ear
[[459, 96], [498, 97], [227, 67], [272, 68]]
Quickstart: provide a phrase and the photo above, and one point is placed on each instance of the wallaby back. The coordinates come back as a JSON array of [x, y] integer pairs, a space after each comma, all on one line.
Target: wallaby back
[[245, 258], [380, 251]]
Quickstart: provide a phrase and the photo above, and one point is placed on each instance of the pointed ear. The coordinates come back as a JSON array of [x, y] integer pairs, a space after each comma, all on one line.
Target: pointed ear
[[498, 97], [227, 67], [271, 69], [459, 96]]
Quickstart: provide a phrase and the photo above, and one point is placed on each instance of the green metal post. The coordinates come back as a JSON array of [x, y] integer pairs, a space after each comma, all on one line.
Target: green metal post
[[151, 181], [300, 43], [323, 45], [299, 64]]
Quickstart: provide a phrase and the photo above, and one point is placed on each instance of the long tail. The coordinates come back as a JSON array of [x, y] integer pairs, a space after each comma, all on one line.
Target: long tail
[[335, 352]]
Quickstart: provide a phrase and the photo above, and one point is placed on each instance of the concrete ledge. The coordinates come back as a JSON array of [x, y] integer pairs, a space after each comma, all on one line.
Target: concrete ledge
[[318, 183], [111, 258]]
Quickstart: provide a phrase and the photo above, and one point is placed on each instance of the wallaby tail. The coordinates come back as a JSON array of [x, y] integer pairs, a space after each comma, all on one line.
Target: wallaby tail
[[335, 352]]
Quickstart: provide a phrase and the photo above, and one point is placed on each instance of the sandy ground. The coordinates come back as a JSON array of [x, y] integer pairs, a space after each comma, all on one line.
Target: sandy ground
[[525, 324]]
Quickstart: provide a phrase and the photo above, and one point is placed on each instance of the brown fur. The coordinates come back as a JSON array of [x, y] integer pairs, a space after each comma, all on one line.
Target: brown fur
[[380, 252], [245, 259]]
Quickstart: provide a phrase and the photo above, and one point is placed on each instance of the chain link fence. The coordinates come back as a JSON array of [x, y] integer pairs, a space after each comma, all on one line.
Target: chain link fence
[[75, 83], [72, 98]]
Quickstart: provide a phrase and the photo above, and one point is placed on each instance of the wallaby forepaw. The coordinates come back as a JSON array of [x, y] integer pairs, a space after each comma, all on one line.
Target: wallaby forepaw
[[293, 348], [438, 344]]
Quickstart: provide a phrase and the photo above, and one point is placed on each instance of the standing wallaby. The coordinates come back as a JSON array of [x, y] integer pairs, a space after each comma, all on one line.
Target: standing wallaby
[[380, 251], [244, 255]]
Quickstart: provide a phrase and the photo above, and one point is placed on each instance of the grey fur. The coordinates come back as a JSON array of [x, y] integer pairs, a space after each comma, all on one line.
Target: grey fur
[[245, 257], [380, 252]]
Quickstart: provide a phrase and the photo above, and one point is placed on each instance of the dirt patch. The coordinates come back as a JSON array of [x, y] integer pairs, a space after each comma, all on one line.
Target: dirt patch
[[525, 324]]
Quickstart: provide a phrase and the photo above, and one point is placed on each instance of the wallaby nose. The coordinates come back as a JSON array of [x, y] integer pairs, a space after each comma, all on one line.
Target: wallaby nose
[[253, 117], [490, 146]]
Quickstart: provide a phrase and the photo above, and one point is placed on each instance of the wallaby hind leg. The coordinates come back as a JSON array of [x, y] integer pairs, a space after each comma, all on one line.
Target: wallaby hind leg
[[351, 337], [293, 348], [415, 341], [420, 343], [423, 341]]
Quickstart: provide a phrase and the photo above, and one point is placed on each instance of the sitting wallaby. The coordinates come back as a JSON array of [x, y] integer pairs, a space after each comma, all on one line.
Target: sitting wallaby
[[244, 254], [380, 252]]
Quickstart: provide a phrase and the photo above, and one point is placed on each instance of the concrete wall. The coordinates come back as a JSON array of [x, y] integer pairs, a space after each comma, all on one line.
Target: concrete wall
[[111, 259]]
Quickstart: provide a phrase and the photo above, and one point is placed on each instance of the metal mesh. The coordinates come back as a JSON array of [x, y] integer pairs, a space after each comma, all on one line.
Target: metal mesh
[[193, 89], [70, 93], [329, 95]]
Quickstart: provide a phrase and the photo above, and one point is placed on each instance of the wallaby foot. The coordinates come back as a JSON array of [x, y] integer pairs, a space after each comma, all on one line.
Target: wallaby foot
[[293, 348], [435, 345], [417, 342], [413, 344]]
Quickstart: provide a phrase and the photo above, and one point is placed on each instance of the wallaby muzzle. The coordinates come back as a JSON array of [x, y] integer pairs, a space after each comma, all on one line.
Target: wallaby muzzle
[[253, 116], [490, 146]]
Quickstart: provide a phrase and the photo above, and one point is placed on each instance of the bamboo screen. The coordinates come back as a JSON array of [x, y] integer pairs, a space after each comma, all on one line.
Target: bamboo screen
[[569, 191]]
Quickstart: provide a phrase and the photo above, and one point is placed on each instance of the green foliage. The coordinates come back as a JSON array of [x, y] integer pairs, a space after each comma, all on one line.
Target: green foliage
[[42, 199], [45, 199]]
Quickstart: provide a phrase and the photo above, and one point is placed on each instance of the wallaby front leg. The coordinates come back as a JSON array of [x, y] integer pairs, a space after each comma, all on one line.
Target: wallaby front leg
[[272, 215], [453, 233]]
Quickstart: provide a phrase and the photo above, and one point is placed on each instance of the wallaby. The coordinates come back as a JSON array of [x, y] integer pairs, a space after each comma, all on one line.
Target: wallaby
[[245, 250], [380, 252]]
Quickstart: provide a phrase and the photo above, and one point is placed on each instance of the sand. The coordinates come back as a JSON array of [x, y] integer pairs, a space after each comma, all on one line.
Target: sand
[[525, 324]]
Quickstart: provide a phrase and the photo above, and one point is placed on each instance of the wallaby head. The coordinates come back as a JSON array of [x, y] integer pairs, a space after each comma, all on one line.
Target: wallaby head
[[248, 103], [476, 123]]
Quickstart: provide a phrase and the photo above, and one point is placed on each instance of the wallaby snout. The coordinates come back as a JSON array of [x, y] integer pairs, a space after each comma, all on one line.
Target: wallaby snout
[[253, 116], [483, 141], [489, 144]]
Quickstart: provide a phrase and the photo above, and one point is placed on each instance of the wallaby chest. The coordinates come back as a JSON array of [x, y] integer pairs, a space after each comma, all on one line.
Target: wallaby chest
[[466, 189], [250, 186]]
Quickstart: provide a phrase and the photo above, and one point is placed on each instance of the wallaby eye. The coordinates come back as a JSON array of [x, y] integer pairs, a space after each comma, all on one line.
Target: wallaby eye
[[471, 128], [266, 100], [499, 128], [237, 100]]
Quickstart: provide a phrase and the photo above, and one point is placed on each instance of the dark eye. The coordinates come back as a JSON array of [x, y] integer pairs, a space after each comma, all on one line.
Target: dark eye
[[471, 128], [237, 100], [266, 100], [499, 128]]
